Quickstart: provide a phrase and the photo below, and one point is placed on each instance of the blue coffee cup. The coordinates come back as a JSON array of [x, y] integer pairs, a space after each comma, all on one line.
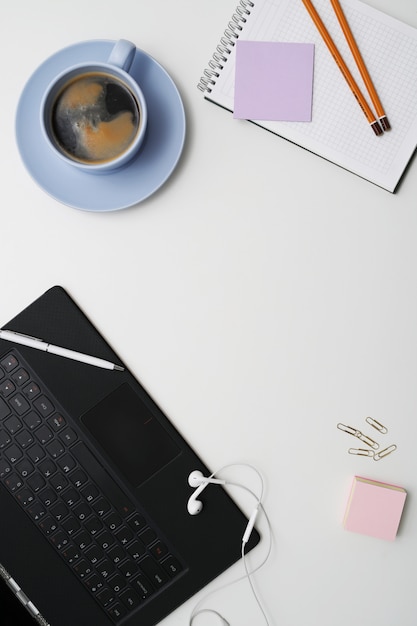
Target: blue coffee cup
[[94, 114]]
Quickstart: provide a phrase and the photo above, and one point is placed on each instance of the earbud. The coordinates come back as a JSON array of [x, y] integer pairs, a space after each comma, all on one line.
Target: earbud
[[198, 480]]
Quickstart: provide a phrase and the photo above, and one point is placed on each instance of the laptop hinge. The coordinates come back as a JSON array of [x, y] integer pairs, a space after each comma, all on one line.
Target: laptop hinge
[[22, 597]]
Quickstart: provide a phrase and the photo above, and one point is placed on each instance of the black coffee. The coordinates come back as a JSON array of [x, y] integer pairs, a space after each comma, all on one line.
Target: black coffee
[[95, 118]]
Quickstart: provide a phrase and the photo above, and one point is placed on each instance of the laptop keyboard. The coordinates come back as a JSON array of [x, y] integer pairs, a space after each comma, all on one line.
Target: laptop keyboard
[[107, 542]]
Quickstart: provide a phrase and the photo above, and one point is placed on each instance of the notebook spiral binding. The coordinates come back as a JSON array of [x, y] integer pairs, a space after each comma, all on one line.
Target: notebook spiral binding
[[219, 57]]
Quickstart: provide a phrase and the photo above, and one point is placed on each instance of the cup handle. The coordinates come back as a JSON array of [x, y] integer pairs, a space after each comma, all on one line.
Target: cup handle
[[122, 54]]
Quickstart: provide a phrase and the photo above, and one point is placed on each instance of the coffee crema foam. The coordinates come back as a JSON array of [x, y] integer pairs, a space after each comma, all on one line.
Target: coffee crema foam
[[95, 118]]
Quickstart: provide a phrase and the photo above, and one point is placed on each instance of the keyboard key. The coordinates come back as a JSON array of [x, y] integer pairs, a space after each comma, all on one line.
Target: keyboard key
[[148, 536], [93, 554], [13, 482], [71, 525], [128, 569], [10, 363], [24, 439], [32, 420], [59, 511], [113, 521], [59, 540], [48, 525], [7, 388], [93, 525], [19, 404], [56, 422], [36, 453], [105, 596], [117, 583], [89, 492], [13, 453], [55, 449], [105, 540], [47, 468], [25, 497], [142, 586], [44, 406], [20, 376], [78, 478], [82, 511], [13, 424], [172, 566], [70, 497], [36, 511], [25, 468], [124, 535], [5, 438], [68, 436], [66, 463], [130, 599], [58, 482], [154, 572], [31, 390], [70, 554], [158, 550], [83, 540], [5, 468], [117, 611], [82, 568], [105, 568], [94, 583], [101, 507], [136, 550], [4, 409], [137, 522], [36, 482], [117, 554], [47, 496], [43, 434]]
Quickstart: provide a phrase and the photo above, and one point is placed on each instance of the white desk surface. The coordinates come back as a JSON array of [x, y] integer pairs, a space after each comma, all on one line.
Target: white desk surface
[[262, 296]]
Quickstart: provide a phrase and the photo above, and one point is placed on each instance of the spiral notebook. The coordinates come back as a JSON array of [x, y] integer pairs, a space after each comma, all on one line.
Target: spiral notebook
[[338, 132]]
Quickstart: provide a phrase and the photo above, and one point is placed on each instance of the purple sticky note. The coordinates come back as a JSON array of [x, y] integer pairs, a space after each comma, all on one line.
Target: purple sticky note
[[274, 81]]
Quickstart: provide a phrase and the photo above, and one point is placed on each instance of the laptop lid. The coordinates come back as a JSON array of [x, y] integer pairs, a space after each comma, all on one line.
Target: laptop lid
[[93, 484]]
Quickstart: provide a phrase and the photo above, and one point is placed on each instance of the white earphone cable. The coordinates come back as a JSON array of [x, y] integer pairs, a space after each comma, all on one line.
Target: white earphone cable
[[248, 574]]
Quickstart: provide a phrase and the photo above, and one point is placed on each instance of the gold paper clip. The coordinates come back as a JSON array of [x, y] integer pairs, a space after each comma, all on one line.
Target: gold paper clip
[[377, 425], [349, 429], [357, 433], [361, 452], [380, 455], [368, 441]]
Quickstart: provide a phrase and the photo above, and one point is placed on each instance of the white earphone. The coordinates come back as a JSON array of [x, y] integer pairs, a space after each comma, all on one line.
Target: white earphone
[[199, 482]]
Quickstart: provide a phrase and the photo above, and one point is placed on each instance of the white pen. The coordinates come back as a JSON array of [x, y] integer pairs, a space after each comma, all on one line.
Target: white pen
[[39, 344]]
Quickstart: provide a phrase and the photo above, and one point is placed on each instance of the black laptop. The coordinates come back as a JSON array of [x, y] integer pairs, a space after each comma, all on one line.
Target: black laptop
[[94, 527]]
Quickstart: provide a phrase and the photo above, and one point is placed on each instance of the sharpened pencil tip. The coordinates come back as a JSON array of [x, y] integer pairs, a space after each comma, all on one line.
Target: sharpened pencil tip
[[119, 368]]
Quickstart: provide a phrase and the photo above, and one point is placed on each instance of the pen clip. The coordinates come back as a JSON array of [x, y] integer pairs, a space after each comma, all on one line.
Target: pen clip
[[16, 334]]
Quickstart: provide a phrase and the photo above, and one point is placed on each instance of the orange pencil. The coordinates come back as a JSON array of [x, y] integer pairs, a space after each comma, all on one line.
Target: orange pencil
[[361, 64], [343, 67]]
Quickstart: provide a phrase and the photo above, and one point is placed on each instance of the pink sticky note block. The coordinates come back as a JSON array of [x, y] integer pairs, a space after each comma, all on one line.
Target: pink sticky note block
[[273, 81], [374, 508]]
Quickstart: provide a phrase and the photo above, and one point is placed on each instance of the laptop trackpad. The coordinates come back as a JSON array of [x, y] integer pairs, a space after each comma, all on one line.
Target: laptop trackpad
[[130, 435]]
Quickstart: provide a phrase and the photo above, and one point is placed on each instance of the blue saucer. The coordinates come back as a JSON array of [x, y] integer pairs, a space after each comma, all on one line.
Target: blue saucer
[[146, 173]]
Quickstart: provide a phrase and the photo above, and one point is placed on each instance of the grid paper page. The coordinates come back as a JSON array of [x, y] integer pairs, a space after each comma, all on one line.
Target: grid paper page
[[339, 130]]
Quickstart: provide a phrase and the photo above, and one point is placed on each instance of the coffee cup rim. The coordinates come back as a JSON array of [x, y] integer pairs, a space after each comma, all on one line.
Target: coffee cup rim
[[51, 93]]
